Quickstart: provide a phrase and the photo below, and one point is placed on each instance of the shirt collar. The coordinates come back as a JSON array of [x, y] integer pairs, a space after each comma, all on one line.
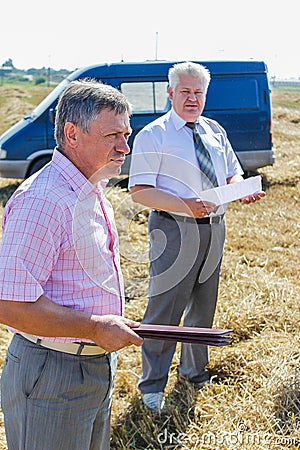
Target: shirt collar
[[73, 176], [178, 121]]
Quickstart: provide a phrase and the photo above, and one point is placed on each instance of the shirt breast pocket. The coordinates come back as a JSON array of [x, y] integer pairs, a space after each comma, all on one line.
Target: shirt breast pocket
[[215, 141]]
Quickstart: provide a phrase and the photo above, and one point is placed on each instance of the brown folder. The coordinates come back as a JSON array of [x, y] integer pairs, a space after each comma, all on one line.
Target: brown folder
[[192, 335]]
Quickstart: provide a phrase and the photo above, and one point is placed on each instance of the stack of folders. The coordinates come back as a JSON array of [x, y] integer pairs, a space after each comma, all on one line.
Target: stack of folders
[[191, 335]]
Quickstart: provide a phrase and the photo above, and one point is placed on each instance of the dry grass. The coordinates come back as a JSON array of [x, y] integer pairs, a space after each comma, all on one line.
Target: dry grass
[[16, 101], [255, 400]]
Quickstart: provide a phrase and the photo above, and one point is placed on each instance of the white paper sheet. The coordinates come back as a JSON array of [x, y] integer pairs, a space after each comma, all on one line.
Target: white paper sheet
[[231, 192]]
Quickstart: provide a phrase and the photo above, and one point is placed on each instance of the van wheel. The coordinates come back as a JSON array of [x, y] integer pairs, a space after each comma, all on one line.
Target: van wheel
[[38, 164]]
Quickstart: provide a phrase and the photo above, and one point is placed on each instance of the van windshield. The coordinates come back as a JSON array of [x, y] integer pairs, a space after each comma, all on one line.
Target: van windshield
[[52, 97]]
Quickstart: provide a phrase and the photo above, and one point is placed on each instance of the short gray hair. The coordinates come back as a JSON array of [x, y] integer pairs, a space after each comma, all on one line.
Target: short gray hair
[[82, 101], [189, 68]]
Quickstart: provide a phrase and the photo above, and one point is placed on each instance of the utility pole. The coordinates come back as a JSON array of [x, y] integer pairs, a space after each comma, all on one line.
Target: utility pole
[[156, 45], [49, 70]]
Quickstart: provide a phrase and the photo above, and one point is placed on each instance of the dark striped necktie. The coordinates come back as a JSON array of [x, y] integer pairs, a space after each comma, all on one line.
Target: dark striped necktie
[[205, 163]]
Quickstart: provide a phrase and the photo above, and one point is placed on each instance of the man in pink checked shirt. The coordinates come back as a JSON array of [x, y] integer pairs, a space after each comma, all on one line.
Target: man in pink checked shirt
[[61, 286]]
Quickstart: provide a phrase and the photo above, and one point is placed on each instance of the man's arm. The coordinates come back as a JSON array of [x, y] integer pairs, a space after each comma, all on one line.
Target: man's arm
[[46, 318], [158, 199]]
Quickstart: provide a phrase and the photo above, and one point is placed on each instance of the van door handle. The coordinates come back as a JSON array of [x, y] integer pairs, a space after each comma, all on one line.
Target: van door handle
[[52, 115], [265, 97]]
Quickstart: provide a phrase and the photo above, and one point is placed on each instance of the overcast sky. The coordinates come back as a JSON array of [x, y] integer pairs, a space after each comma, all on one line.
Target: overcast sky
[[68, 35]]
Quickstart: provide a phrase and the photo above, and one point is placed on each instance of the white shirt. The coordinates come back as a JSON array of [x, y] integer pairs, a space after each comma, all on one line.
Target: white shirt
[[164, 156]]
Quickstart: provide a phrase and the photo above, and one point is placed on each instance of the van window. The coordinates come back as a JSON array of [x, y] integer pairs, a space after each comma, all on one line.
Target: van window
[[147, 97], [233, 93]]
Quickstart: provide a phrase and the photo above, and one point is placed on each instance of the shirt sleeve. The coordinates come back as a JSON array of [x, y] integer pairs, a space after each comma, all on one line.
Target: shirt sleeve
[[30, 246], [145, 160], [234, 167]]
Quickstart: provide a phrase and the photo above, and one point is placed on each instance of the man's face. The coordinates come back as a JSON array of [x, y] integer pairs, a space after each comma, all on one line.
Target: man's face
[[188, 97], [101, 152]]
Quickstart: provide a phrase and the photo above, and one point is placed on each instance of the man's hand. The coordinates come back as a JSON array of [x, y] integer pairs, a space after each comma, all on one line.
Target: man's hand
[[197, 208], [253, 198], [114, 332]]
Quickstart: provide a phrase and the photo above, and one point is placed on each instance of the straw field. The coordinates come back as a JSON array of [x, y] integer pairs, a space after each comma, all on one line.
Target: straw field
[[254, 400]]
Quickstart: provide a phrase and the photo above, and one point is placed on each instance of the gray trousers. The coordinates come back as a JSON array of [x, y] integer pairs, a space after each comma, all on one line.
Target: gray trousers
[[185, 261], [55, 401]]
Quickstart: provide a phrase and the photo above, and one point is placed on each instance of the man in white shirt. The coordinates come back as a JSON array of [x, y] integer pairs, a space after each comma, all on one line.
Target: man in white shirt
[[186, 234]]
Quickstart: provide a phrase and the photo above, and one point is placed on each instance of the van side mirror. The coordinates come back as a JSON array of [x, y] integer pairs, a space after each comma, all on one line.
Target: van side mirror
[[52, 115]]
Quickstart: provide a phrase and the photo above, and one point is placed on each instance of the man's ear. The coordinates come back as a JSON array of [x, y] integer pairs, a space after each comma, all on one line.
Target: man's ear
[[170, 92], [71, 136]]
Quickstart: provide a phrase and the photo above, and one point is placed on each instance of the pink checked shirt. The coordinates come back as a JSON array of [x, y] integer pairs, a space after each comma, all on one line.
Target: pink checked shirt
[[60, 240]]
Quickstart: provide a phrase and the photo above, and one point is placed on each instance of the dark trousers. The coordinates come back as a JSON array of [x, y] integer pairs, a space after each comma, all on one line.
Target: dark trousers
[[185, 261]]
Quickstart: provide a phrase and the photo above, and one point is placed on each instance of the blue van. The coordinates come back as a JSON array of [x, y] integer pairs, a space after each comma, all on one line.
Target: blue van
[[238, 98]]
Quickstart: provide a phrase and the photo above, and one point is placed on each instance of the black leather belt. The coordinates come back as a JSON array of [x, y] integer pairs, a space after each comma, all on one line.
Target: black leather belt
[[187, 219]]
